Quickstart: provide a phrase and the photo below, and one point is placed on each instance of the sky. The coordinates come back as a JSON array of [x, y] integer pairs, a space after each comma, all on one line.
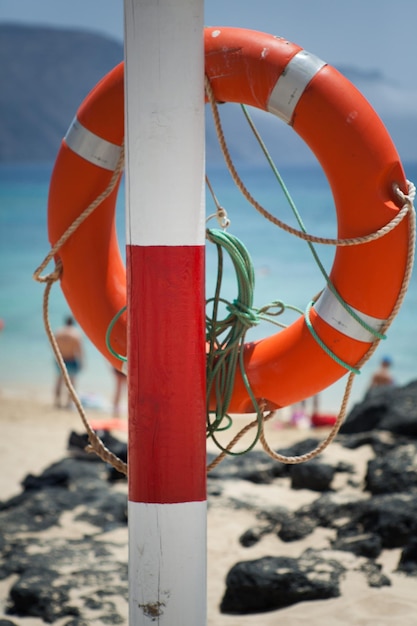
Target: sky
[[372, 34]]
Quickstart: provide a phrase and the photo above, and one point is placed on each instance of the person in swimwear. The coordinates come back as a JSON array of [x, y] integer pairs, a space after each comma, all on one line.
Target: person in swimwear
[[120, 384], [69, 342], [383, 377]]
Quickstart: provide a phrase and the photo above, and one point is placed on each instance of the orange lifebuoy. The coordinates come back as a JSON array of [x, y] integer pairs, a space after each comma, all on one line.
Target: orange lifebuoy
[[361, 165]]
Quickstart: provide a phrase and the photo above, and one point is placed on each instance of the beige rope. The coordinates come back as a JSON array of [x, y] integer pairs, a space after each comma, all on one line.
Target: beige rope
[[95, 443], [353, 241], [407, 208], [221, 213], [81, 218], [237, 438]]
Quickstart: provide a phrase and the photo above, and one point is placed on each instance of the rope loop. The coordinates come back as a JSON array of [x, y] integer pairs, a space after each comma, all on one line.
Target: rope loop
[[407, 209], [95, 443], [406, 199], [54, 276], [221, 213]]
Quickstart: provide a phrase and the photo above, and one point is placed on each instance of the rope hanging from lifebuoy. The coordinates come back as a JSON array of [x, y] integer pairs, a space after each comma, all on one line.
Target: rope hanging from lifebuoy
[[367, 181]]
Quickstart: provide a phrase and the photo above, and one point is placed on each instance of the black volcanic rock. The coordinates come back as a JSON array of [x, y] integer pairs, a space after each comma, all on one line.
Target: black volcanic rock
[[408, 560], [394, 472], [313, 475], [61, 537], [272, 583], [390, 409], [45, 568]]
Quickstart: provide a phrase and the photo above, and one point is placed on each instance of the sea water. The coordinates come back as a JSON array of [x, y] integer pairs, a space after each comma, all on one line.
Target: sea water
[[284, 270]]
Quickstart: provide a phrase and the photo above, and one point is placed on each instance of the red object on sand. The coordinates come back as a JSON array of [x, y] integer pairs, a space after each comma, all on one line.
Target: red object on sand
[[113, 423], [322, 419]]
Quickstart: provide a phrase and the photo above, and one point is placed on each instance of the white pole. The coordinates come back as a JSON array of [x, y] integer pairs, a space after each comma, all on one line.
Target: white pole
[[164, 105]]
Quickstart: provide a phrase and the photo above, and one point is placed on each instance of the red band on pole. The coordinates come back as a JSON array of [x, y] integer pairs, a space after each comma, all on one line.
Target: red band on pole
[[167, 444]]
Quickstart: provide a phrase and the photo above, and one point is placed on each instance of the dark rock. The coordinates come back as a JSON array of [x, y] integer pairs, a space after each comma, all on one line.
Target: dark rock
[[41, 507], [213, 489], [109, 511], [14, 558], [367, 545], [40, 511], [274, 515], [37, 594], [380, 441], [257, 467], [344, 468], [48, 479], [393, 518], [288, 526], [394, 472], [272, 583], [313, 475], [79, 471], [329, 508], [374, 575], [401, 418], [113, 474], [78, 442], [301, 447], [49, 567], [7, 622], [296, 527], [391, 409], [254, 466], [58, 566], [408, 559], [251, 536], [368, 414]]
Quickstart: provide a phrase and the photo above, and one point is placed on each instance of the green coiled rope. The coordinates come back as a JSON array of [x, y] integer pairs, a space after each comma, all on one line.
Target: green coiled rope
[[226, 336]]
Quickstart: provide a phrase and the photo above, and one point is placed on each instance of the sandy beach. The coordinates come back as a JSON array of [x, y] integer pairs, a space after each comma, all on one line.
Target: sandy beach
[[34, 435]]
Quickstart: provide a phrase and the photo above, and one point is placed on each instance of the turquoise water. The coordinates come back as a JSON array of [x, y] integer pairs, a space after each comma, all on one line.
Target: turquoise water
[[284, 269]]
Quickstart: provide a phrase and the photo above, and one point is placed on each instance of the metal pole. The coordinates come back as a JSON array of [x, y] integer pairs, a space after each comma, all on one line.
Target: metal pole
[[164, 91]]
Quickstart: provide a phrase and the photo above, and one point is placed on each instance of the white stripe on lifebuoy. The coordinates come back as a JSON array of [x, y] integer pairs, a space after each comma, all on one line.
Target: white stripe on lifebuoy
[[335, 314], [292, 83], [91, 147]]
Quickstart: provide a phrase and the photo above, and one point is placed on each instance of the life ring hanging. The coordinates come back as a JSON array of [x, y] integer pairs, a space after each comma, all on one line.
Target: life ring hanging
[[361, 165]]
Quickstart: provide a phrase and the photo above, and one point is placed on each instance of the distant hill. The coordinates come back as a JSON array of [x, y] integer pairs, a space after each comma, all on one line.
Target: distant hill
[[44, 76], [46, 73]]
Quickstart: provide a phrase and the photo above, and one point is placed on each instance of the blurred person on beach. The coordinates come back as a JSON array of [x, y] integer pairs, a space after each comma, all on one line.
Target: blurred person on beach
[[69, 342], [301, 416], [120, 384], [382, 377]]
